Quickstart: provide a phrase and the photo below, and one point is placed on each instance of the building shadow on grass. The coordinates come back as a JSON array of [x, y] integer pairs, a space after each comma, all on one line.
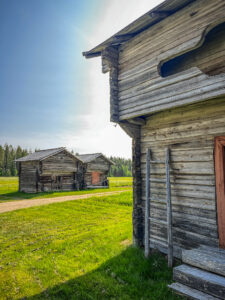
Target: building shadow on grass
[[126, 276], [12, 196]]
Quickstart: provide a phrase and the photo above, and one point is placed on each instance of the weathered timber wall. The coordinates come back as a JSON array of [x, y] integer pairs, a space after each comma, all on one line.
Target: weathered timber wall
[[59, 164], [189, 132], [98, 165], [60, 172], [28, 177], [134, 131], [141, 87]]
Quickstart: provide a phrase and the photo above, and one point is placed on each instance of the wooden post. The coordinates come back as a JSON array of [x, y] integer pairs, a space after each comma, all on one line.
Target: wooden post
[[147, 203], [220, 187], [169, 210]]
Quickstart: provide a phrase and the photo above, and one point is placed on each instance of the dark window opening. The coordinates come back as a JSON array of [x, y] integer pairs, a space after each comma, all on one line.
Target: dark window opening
[[209, 57]]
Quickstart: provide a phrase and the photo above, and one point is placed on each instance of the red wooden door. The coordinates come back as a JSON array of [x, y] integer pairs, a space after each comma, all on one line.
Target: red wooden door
[[220, 186], [95, 178]]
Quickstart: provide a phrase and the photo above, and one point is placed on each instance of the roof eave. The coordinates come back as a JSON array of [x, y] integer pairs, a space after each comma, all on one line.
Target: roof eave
[[154, 16]]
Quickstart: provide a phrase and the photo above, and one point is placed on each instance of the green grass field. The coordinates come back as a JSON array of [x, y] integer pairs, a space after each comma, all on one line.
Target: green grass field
[[77, 250], [9, 189]]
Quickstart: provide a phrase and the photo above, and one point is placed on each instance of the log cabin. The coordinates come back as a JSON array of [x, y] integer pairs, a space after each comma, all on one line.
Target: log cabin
[[97, 168], [167, 92], [50, 170]]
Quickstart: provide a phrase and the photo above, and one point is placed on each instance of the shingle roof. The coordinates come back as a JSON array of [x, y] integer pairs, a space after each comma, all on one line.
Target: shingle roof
[[86, 158], [42, 154]]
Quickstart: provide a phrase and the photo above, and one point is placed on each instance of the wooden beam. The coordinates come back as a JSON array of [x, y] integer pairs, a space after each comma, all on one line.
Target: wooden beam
[[132, 130], [110, 64], [169, 211], [118, 39], [220, 186], [147, 204], [137, 121], [91, 55], [160, 13]]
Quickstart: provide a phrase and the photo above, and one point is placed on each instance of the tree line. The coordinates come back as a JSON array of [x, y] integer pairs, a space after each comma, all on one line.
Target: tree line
[[8, 153], [122, 167]]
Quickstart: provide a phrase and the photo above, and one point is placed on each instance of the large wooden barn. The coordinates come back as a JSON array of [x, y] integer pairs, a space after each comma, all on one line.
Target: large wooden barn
[[97, 168], [50, 170], [167, 91]]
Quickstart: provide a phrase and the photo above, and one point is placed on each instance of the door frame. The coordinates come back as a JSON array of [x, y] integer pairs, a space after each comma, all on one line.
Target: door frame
[[219, 153]]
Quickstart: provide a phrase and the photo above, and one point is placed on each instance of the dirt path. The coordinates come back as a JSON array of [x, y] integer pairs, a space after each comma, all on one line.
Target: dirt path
[[14, 205]]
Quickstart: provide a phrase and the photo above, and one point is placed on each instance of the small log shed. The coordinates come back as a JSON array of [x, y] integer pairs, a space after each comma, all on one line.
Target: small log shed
[[50, 170], [167, 91], [97, 168]]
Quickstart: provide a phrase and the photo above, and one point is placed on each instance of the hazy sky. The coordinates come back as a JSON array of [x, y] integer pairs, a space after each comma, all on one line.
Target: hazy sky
[[50, 95]]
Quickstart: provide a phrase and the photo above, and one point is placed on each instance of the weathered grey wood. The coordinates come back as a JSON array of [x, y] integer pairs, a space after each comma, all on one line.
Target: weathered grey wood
[[169, 210], [206, 282], [184, 110], [157, 180], [186, 239], [207, 259], [191, 293], [109, 64], [157, 162], [141, 57], [147, 202], [137, 121], [58, 169]]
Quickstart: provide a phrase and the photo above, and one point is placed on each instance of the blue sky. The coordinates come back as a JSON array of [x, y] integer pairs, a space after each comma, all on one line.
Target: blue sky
[[50, 95]]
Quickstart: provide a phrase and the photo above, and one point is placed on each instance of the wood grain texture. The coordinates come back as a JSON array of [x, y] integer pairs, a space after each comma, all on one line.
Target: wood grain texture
[[110, 64], [189, 133], [206, 282], [207, 258], [169, 210], [147, 202], [141, 89], [189, 292]]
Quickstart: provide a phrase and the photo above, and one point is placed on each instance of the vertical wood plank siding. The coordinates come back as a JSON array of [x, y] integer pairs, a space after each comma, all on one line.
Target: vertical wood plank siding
[[189, 133], [141, 89]]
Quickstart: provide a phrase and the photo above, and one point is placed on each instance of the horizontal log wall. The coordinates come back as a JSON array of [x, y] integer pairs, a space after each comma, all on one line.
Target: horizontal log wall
[[28, 177], [189, 132], [59, 164], [67, 182], [59, 172], [99, 164], [142, 90]]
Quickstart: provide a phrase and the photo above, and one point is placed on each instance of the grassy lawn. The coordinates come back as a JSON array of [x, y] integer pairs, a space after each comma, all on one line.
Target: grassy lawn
[[77, 250], [120, 181], [9, 189]]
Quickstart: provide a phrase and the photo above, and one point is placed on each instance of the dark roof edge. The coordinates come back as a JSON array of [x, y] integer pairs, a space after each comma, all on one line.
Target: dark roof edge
[[63, 149], [155, 15], [58, 150]]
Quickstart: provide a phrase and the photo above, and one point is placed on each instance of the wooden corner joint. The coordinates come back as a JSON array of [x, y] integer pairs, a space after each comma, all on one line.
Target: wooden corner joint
[[109, 59]]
